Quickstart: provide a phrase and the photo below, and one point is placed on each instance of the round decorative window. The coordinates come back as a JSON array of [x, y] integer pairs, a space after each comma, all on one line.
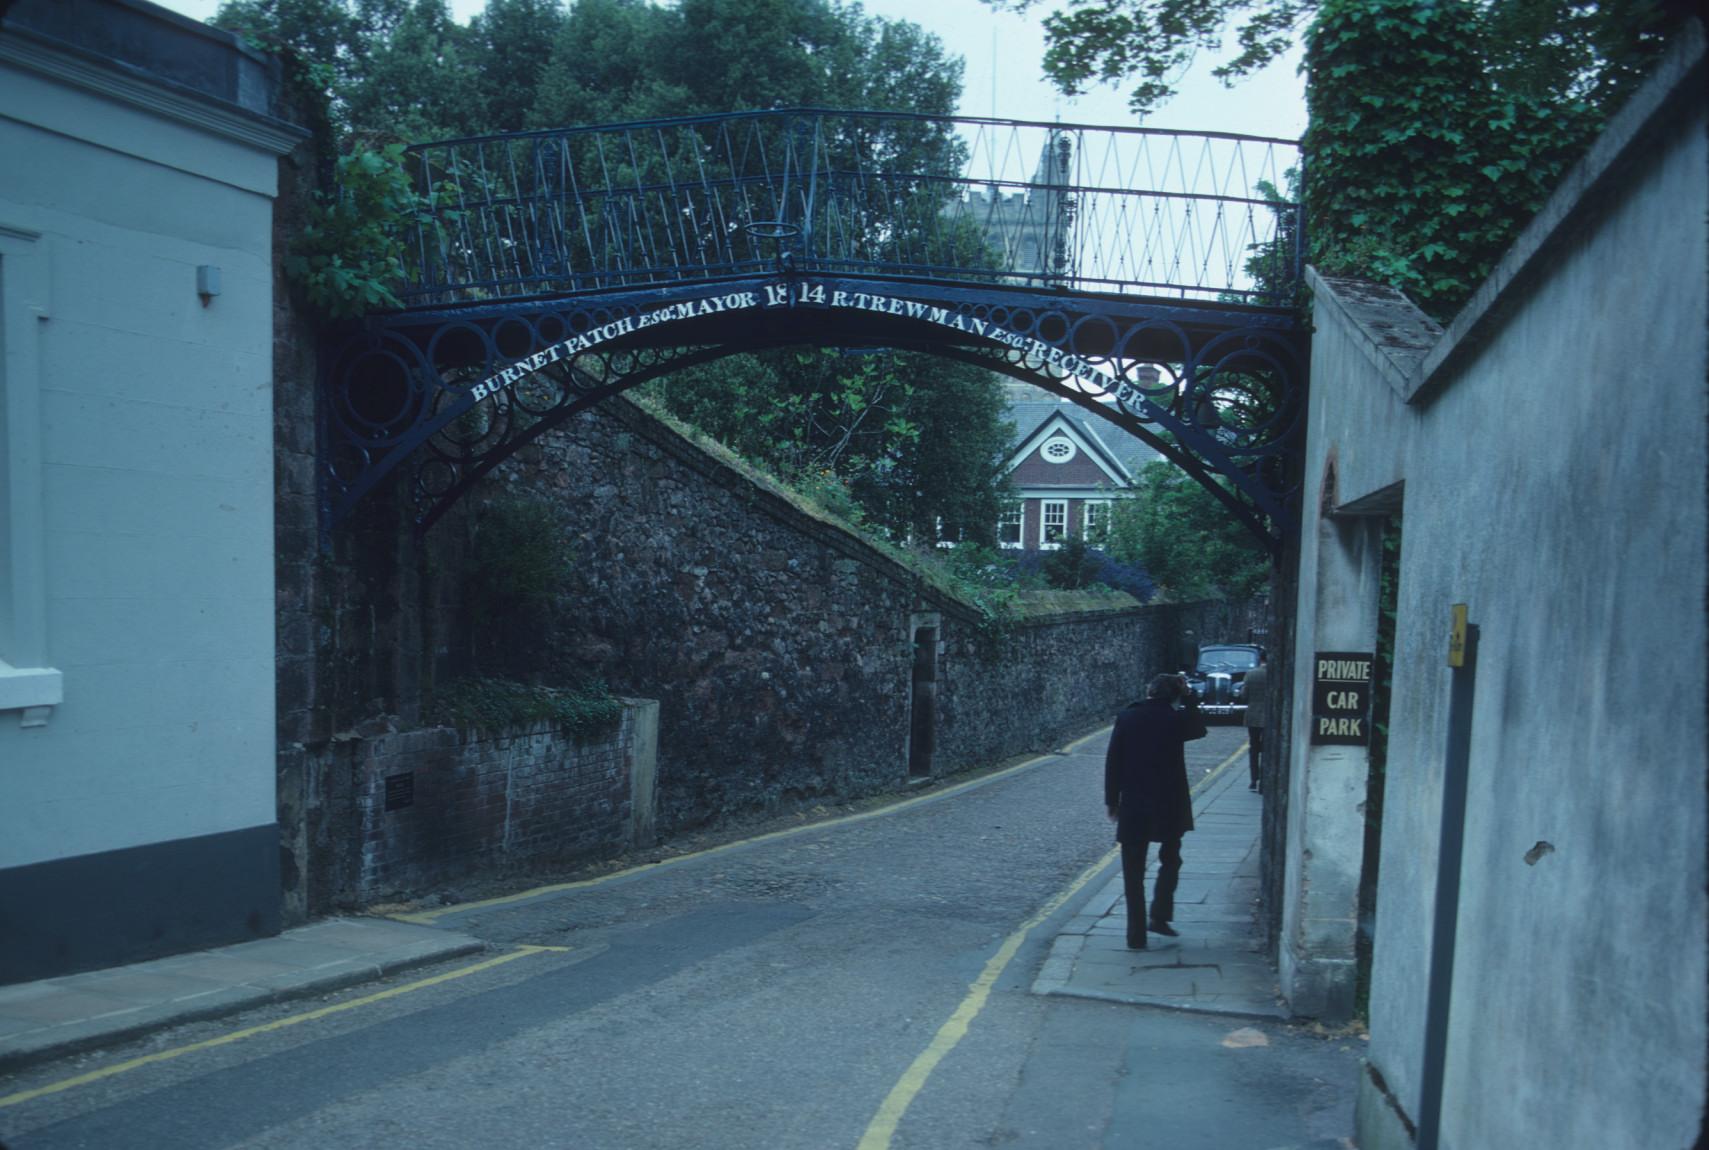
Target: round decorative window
[[1059, 450]]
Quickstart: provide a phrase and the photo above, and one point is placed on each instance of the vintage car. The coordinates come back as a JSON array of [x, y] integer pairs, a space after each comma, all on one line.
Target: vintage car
[[1219, 679]]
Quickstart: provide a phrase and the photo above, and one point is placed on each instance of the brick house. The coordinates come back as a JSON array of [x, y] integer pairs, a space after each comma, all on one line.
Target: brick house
[[1066, 466]]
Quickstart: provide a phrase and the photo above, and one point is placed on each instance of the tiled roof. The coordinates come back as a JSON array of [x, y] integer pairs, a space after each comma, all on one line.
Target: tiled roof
[[1029, 407]]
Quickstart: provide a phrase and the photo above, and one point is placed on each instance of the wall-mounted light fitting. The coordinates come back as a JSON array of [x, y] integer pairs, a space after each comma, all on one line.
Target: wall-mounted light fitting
[[207, 282]]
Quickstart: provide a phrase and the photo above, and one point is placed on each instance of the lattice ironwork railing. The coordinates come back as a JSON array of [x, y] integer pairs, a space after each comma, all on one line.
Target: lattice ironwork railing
[[1119, 210]]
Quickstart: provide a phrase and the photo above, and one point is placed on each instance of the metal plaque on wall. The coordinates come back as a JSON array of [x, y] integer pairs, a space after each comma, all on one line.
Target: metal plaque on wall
[[1341, 684], [400, 791]]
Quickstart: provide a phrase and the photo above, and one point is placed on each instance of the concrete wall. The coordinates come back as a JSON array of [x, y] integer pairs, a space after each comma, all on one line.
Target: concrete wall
[[136, 629], [1548, 453]]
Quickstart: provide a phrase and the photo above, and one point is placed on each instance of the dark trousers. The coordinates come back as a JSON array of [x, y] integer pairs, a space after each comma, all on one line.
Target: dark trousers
[[1133, 885], [1254, 745]]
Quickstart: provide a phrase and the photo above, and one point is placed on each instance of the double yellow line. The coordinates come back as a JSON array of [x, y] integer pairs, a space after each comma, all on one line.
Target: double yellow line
[[269, 1027], [883, 1125], [428, 918]]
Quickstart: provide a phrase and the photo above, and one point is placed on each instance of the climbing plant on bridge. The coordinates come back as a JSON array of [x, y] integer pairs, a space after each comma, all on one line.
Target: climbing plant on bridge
[[347, 256]]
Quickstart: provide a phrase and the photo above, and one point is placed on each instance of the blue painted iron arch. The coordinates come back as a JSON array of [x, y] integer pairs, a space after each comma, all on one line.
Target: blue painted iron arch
[[444, 395]]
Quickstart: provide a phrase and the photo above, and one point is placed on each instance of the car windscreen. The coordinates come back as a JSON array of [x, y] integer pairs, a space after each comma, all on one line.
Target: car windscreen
[[1227, 659]]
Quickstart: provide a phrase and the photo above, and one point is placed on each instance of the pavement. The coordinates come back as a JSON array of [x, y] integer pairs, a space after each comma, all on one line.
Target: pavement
[[1218, 964], [54, 1017]]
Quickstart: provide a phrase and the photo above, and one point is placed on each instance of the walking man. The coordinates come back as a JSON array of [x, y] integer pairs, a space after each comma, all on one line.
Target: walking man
[[1257, 705], [1147, 797]]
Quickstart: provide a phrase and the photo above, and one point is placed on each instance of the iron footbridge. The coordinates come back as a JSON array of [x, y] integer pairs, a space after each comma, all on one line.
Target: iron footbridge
[[1150, 277]]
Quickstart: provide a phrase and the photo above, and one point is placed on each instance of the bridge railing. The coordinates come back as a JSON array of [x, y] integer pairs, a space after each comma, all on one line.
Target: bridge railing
[[1120, 210]]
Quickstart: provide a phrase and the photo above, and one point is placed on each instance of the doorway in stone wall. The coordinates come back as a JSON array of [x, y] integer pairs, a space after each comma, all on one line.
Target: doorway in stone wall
[[923, 712], [1388, 603]]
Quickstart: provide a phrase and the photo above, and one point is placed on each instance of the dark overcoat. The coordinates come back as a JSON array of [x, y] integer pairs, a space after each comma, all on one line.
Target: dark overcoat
[[1145, 771]]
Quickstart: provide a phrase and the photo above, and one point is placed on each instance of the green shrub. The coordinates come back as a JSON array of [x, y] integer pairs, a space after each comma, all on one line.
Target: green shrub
[[584, 711], [347, 258]]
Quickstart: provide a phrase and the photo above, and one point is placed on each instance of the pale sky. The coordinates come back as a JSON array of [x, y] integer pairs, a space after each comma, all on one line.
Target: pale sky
[[1269, 104]]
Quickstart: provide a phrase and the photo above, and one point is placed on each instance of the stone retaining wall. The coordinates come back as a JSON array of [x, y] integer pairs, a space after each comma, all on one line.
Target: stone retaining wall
[[782, 647]]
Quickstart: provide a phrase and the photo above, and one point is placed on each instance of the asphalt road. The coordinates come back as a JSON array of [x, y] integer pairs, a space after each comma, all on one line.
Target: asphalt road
[[862, 984]]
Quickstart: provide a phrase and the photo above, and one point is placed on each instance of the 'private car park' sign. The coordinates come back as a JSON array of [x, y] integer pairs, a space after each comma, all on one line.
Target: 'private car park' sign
[[1341, 698]]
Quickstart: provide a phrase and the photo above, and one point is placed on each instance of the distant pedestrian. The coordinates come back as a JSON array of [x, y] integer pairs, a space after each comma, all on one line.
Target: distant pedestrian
[[1147, 796], [1189, 651], [1257, 707]]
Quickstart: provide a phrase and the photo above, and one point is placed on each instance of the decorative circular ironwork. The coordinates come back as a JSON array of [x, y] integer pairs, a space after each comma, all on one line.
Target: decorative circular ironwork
[[513, 338], [380, 391], [377, 389], [552, 328], [435, 478], [539, 393], [455, 395], [1252, 377], [772, 229], [464, 425], [347, 462], [1053, 327], [459, 344]]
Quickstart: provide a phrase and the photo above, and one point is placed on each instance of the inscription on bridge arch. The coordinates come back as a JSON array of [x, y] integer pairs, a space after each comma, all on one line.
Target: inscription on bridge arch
[[813, 294]]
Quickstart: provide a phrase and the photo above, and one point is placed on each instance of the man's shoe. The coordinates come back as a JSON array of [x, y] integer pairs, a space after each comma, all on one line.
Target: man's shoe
[[1133, 945], [1163, 928]]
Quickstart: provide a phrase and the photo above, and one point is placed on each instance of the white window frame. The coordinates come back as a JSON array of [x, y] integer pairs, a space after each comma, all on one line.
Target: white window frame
[[1044, 517], [1017, 516], [27, 684], [1066, 441], [1086, 509]]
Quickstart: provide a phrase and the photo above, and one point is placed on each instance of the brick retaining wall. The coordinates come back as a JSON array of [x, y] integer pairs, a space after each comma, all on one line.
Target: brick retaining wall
[[434, 804]]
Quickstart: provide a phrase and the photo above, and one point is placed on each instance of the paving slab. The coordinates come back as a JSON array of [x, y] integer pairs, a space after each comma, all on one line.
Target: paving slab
[[53, 1017], [1218, 964]]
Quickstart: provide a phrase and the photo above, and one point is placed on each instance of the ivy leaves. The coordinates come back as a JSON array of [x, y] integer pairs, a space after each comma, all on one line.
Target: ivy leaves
[[1438, 127], [348, 253], [1422, 165]]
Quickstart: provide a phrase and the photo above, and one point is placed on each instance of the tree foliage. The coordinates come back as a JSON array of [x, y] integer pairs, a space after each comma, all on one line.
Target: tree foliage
[[914, 441], [1077, 565], [346, 253], [901, 440], [897, 440], [1437, 127], [1592, 50], [1181, 535], [405, 69], [1425, 159], [1152, 43]]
